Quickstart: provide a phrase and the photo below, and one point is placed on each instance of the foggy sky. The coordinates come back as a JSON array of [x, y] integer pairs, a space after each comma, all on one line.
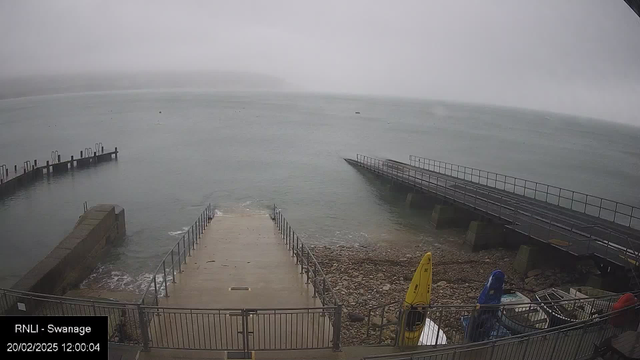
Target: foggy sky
[[572, 56]]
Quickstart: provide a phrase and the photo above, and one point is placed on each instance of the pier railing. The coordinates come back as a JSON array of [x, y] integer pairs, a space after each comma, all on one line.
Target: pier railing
[[544, 227], [460, 324], [31, 171], [611, 210], [309, 266], [174, 259], [241, 330], [291, 328], [573, 341]]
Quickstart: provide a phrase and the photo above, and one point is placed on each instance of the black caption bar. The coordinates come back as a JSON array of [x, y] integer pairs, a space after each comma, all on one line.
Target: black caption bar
[[46, 337]]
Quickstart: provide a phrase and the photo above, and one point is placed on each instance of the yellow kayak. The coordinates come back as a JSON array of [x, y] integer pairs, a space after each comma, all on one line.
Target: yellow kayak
[[418, 297]]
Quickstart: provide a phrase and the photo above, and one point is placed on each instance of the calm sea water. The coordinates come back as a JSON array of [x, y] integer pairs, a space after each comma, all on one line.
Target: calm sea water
[[181, 150]]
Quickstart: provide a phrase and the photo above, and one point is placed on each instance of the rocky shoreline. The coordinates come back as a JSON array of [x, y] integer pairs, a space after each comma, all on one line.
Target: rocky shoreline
[[372, 275]]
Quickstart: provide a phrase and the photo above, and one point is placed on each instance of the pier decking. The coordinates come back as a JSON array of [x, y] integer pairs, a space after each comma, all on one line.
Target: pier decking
[[579, 233], [240, 262], [239, 290]]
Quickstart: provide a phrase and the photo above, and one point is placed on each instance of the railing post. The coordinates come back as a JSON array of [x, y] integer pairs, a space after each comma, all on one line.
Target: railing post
[[308, 269], [143, 328], [179, 258], [189, 241], [324, 290], [245, 333], [315, 274], [164, 275], [194, 237], [155, 288], [337, 327], [301, 261], [173, 268], [290, 244], [184, 247]]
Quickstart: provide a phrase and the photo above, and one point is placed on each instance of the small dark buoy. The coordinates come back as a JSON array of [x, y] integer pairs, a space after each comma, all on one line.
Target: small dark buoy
[[358, 112], [160, 112]]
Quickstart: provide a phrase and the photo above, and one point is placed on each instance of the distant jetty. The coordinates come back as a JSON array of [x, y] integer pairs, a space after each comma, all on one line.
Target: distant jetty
[[10, 181]]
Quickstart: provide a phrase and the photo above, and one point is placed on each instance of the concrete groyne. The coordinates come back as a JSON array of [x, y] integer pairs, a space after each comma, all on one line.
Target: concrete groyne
[[75, 257]]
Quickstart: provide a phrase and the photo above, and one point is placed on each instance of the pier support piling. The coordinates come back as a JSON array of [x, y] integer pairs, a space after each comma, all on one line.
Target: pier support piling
[[443, 216], [526, 259], [449, 216], [417, 200], [484, 235]]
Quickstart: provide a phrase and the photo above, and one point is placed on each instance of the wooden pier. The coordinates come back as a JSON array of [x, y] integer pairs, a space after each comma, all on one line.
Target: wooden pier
[[12, 179]]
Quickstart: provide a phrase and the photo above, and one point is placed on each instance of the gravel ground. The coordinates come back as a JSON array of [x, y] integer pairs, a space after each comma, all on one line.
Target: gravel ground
[[372, 275]]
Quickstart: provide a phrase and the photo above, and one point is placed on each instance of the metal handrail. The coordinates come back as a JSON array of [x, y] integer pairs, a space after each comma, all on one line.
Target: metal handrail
[[138, 324], [65, 299], [189, 240], [525, 204], [548, 333], [449, 189], [235, 309], [307, 261], [441, 314], [476, 175], [631, 250]]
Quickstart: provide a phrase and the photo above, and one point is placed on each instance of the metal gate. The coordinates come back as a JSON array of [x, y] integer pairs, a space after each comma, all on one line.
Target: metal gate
[[242, 330]]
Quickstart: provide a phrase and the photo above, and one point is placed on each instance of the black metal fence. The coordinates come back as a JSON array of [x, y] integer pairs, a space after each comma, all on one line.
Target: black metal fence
[[175, 258], [243, 329], [623, 214], [191, 328], [304, 257], [461, 324], [543, 226], [568, 342]]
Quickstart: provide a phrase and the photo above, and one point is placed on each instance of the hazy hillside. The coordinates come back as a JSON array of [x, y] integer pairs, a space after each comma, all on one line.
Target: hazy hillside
[[61, 84]]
